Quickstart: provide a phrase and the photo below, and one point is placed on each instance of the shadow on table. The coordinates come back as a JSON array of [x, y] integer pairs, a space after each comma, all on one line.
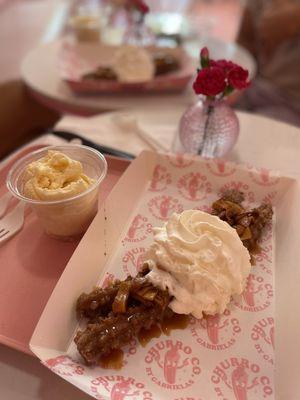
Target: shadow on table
[[35, 382]]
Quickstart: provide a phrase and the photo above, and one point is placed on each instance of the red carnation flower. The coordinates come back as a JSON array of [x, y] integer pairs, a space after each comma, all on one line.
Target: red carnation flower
[[210, 81], [204, 53], [237, 77], [224, 64], [140, 5]]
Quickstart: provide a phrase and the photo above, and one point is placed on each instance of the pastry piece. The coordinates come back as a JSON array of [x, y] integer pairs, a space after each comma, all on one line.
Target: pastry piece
[[134, 304], [165, 63], [105, 73], [186, 273], [248, 224]]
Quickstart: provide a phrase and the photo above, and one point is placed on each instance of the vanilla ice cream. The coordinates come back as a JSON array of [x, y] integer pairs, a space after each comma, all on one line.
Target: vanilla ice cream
[[201, 260], [133, 64], [55, 177]]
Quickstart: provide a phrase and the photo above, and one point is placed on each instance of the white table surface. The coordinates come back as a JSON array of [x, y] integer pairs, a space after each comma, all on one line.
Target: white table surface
[[262, 142]]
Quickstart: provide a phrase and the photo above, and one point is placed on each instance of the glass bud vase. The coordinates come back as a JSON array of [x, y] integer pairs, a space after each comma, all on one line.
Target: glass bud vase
[[137, 32], [208, 128]]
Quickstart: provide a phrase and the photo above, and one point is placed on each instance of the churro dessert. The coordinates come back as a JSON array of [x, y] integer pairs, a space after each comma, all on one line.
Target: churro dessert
[[196, 263], [132, 64]]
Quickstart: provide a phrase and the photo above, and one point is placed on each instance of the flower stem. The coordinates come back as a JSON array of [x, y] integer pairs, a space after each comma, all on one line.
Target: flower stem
[[210, 109]]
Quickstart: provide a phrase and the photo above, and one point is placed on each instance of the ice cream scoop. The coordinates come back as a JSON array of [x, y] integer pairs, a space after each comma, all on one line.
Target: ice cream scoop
[[54, 177], [201, 260], [133, 64]]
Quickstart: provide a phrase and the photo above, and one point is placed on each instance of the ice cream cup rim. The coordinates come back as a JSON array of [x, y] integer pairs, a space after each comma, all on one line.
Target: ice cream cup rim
[[18, 163]]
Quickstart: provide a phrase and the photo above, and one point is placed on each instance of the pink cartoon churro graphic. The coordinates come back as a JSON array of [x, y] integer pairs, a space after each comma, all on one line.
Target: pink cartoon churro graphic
[[221, 168], [170, 365], [250, 291], [139, 229], [121, 390], [160, 179], [216, 332], [194, 186], [239, 380], [179, 161], [213, 326], [170, 361], [162, 207], [137, 224]]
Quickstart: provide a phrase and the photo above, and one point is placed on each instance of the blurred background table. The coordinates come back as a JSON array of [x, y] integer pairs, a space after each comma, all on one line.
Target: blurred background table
[[26, 24]]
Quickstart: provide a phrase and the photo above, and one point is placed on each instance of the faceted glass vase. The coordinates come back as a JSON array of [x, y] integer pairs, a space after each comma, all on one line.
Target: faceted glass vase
[[207, 128], [137, 33]]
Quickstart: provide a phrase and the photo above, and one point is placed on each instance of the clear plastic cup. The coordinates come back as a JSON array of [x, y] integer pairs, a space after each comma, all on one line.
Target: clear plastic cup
[[65, 219]]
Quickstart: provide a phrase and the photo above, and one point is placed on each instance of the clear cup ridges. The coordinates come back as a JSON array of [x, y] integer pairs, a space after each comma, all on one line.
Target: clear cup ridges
[[65, 219]]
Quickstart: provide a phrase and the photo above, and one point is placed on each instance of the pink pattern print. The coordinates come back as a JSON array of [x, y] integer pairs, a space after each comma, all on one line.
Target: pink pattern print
[[179, 160], [262, 335], [272, 334], [221, 168], [270, 197], [239, 380], [122, 390], [162, 207], [170, 364], [262, 177], [109, 278], [240, 186], [64, 366], [172, 361], [235, 378], [161, 179], [265, 254], [133, 260], [213, 326], [250, 290], [139, 229], [257, 294], [194, 186]]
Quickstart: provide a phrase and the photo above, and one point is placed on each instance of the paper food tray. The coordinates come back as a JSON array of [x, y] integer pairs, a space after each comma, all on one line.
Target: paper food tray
[[224, 357]]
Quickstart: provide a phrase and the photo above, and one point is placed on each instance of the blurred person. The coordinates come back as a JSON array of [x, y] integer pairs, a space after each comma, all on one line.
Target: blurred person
[[270, 30]]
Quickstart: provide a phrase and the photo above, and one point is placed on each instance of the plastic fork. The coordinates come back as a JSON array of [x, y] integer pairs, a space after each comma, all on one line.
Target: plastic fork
[[4, 200], [12, 222]]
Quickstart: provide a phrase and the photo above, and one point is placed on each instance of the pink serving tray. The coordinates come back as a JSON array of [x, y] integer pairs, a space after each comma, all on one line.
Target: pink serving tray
[[31, 264]]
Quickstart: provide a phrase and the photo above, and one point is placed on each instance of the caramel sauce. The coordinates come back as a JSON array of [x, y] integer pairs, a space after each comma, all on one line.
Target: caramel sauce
[[145, 335], [177, 321], [114, 360]]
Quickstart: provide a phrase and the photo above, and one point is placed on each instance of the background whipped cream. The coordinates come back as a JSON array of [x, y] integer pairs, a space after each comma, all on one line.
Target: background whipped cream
[[201, 260], [133, 64], [55, 177]]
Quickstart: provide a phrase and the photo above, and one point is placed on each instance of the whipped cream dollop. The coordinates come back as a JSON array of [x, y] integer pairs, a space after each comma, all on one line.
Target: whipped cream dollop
[[133, 64], [201, 260], [55, 177]]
